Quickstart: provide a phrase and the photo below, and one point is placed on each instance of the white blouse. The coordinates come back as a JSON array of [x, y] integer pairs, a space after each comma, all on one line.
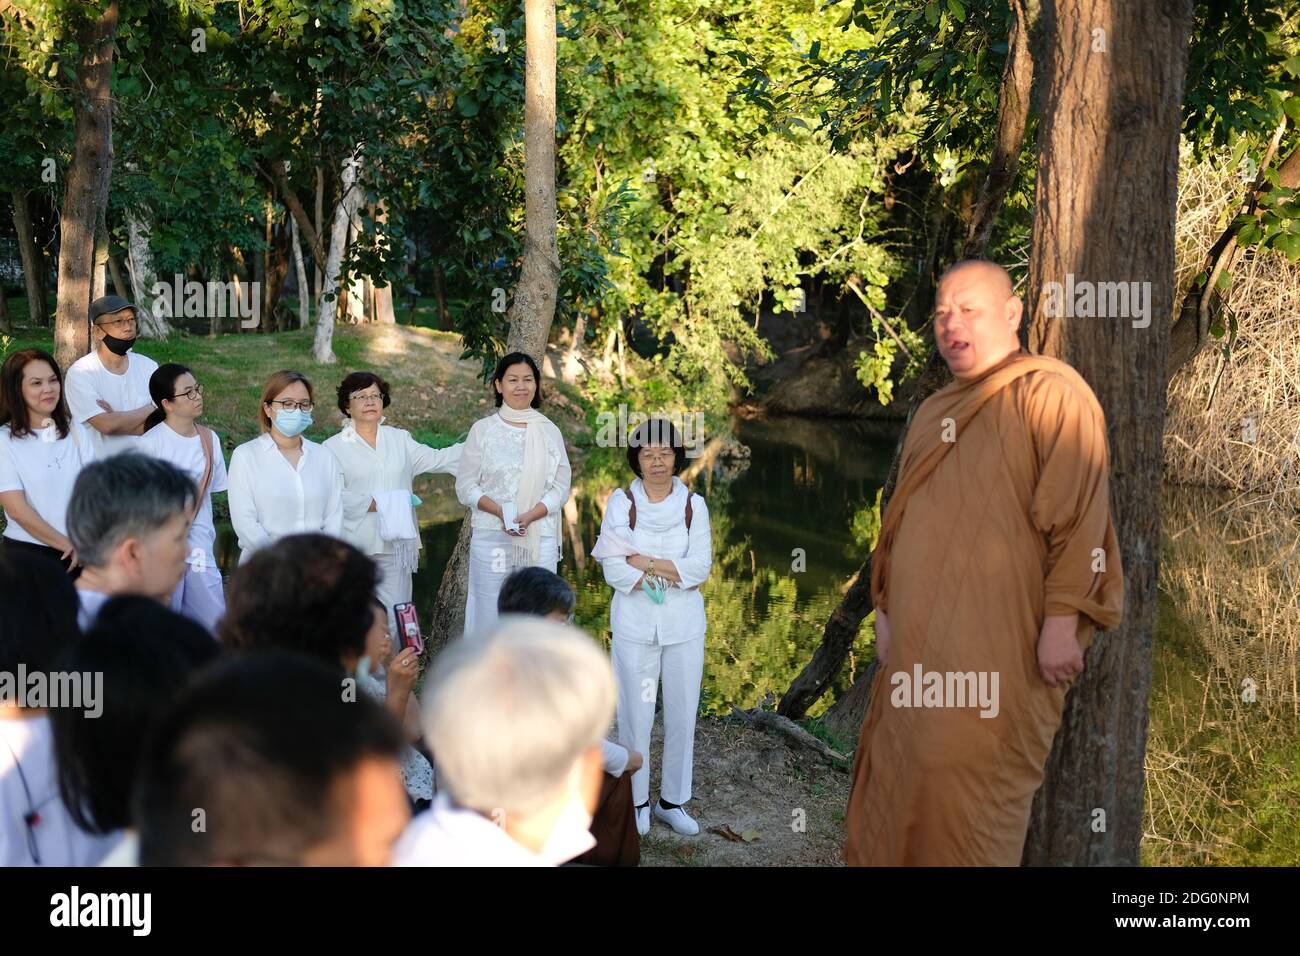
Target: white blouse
[[492, 462], [660, 533], [270, 498], [389, 466], [44, 467]]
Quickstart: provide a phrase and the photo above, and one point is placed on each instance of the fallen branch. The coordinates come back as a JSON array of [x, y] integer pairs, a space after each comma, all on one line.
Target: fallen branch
[[786, 728]]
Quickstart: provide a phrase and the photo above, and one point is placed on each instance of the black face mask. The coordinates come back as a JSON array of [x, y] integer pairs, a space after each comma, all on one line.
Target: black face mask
[[118, 346]]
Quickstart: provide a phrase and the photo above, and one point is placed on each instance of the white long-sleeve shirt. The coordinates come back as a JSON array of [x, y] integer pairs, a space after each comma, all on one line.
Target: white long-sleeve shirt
[[660, 533], [389, 466], [270, 498], [491, 463]]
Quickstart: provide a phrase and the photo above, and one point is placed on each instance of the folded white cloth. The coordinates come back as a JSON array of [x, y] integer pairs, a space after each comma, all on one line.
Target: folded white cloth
[[397, 526], [609, 545], [510, 516]]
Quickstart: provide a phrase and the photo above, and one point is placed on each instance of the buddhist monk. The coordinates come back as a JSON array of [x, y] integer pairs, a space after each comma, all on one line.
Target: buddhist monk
[[997, 559]]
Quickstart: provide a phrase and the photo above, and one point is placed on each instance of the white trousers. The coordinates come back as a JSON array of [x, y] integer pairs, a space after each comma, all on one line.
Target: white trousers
[[201, 597], [489, 566], [639, 669], [394, 587]]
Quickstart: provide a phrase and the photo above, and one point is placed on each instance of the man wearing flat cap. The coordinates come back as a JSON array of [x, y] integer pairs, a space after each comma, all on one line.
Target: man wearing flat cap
[[108, 389]]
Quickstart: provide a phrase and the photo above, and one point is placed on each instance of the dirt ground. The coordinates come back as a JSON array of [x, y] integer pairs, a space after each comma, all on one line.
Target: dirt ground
[[785, 806]]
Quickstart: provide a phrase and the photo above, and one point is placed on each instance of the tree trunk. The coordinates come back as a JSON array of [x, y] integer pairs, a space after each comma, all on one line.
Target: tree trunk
[[119, 281], [38, 310], [1107, 191], [276, 274], [139, 264], [5, 325], [356, 305], [320, 224], [1013, 111], [382, 296], [99, 283], [87, 187], [350, 197], [533, 307], [300, 274], [846, 620]]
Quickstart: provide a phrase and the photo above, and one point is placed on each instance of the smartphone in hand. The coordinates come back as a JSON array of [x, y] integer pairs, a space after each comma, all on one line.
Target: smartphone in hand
[[408, 627]]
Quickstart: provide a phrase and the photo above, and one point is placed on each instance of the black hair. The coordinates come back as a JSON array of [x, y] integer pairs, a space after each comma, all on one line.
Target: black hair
[[655, 431], [535, 590], [38, 611], [145, 654], [517, 358], [308, 593], [258, 744], [355, 383], [162, 387]]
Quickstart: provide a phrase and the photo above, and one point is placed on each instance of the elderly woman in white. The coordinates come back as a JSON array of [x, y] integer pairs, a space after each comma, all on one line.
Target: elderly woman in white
[[281, 483], [655, 548], [379, 464], [514, 472], [516, 722]]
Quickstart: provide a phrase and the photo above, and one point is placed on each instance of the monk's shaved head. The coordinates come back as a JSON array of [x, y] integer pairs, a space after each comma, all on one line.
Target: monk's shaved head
[[976, 317], [986, 271]]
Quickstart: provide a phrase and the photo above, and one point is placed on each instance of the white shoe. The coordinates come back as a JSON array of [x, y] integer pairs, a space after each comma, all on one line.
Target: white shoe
[[678, 819], [643, 820]]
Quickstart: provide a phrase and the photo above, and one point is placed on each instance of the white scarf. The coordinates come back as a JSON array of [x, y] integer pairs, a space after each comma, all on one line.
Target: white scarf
[[532, 480], [660, 516]]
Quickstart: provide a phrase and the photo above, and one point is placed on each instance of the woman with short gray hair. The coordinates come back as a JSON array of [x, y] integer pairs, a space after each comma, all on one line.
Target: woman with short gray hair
[[514, 721]]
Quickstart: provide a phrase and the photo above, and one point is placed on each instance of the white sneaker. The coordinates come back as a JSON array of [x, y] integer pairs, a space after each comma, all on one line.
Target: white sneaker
[[678, 819], [643, 820]]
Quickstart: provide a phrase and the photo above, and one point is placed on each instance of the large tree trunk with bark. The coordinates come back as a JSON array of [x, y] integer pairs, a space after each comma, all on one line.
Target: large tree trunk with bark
[[87, 186], [533, 307], [1112, 77], [38, 311], [350, 198]]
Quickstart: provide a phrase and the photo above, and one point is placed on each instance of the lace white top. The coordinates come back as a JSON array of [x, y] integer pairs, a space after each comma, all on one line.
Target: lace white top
[[491, 463], [417, 772]]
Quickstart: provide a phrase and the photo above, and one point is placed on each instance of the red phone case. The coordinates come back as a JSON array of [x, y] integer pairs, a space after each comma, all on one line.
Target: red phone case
[[408, 627]]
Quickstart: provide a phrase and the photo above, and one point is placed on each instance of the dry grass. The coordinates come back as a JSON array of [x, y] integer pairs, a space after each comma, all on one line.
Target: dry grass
[[1222, 784], [1248, 437]]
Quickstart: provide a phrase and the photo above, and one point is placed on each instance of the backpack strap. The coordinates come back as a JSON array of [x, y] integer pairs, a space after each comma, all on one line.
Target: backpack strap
[[631, 512], [205, 439]]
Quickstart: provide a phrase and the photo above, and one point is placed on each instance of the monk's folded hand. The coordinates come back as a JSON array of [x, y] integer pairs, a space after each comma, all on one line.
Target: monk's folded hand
[[1059, 656], [882, 637]]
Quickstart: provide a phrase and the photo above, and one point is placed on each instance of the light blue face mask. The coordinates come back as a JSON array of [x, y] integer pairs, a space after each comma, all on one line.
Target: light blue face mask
[[655, 590], [290, 423]]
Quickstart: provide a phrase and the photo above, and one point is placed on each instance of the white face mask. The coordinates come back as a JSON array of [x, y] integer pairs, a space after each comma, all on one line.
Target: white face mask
[[571, 834]]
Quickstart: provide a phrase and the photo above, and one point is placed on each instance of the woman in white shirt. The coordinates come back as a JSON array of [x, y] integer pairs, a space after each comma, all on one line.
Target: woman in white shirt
[[514, 473], [173, 434], [41, 453], [656, 549], [281, 483], [379, 463]]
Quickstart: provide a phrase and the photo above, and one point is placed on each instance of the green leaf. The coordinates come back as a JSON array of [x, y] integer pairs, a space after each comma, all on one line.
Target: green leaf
[[1291, 106], [957, 10], [1288, 244], [467, 105]]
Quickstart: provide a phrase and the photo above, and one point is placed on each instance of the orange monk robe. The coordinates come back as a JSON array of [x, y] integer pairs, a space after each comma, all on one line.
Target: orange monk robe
[[1001, 503]]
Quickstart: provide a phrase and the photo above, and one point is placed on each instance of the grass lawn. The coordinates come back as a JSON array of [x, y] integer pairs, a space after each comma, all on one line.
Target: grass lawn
[[436, 395]]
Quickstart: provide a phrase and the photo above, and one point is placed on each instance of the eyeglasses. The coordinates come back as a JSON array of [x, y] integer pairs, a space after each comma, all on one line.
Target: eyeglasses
[[292, 406], [193, 394], [366, 399], [118, 324]]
